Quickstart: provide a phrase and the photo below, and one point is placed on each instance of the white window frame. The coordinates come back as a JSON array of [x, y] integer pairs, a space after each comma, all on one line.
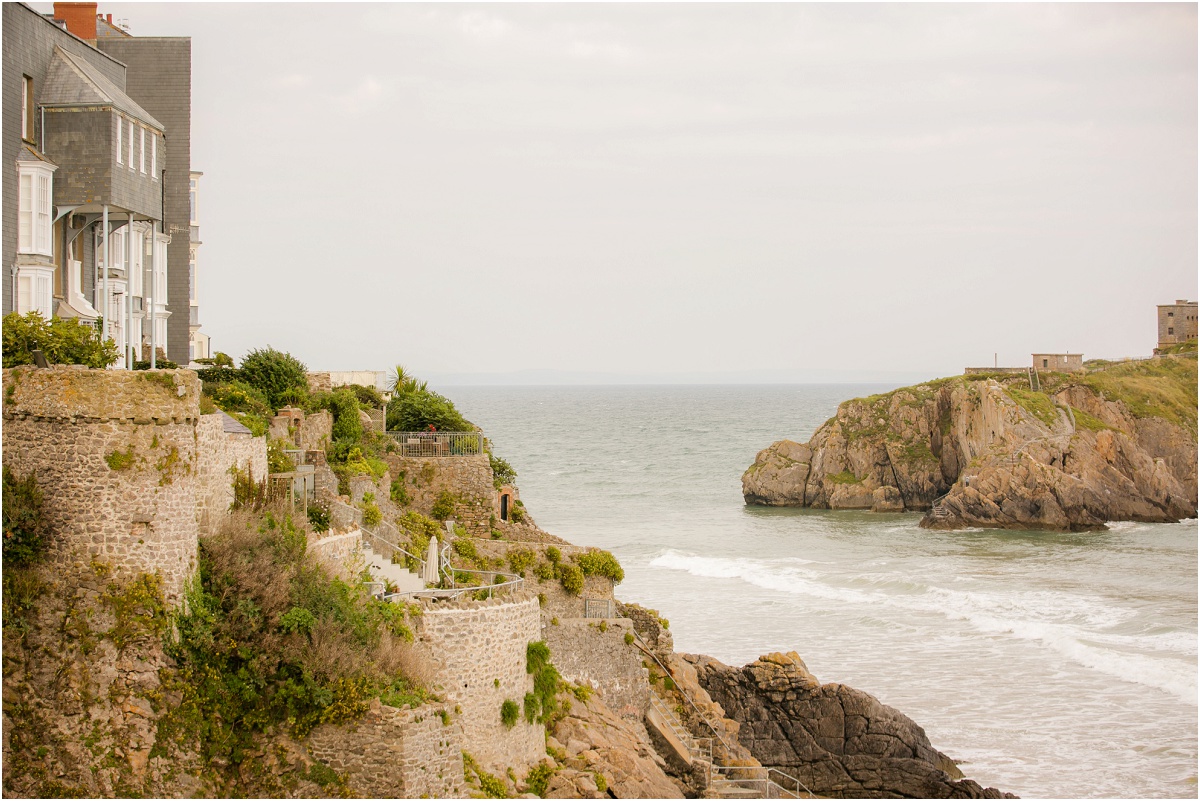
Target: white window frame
[[27, 108], [35, 208], [132, 166], [143, 152], [35, 290], [192, 201], [153, 156], [120, 139]]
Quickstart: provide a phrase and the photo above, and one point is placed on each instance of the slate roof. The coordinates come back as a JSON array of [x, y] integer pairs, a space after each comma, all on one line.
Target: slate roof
[[30, 153], [71, 81], [231, 426]]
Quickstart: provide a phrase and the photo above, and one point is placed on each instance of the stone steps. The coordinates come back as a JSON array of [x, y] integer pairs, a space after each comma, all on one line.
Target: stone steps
[[382, 569]]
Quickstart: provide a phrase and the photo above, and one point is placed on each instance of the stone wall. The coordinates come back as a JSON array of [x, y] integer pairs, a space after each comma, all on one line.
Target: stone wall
[[219, 451], [337, 551], [556, 601], [469, 478], [587, 653], [395, 753], [116, 456], [479, 650]]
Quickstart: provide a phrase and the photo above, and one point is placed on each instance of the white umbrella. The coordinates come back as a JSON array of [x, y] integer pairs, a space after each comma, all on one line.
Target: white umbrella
[[430, 574]]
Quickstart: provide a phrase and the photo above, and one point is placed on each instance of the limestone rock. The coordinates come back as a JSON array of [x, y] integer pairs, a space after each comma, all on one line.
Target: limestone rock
[[992, 454], [838, 741]]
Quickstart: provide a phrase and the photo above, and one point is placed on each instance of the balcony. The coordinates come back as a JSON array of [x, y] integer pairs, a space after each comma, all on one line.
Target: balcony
[[438, 443]]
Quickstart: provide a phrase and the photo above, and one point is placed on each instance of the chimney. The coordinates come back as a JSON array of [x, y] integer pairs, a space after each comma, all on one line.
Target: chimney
[[80, 19], [109, 18]]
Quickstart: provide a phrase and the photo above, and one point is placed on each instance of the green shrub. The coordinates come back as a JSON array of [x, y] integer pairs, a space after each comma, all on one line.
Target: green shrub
[[571, 577], [281, 377], [368, 397], [399, 493], [371, 515], [520, 560], [62, 341], [553, 555], [443, 507], [347, 425], [297, 619], [120, 460], [492, 786], [537, 656], [601, 563], [25, 529], [238, 396], [509, 712], [502, 471], [537, 780], [531, 708], [544, 571], [417, 411], [465, 548], [516, 514], [318, 518], [629, 638], [277, 460]]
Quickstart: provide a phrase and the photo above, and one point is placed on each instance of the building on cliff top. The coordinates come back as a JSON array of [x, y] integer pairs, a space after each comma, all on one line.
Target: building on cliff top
[[1176, 323], [97, 130], [1058, 362]]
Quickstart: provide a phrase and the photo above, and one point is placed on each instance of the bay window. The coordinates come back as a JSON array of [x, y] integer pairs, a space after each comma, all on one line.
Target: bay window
[[35, 217]]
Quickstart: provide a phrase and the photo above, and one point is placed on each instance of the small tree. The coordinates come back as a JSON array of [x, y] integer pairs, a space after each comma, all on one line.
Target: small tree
[[282, 377]]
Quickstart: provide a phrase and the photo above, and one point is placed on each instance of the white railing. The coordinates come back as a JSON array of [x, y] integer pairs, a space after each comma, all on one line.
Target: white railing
[[438, 443]]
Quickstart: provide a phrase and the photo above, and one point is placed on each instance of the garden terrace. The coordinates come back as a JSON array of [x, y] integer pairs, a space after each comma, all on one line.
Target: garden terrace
[[438, 443]]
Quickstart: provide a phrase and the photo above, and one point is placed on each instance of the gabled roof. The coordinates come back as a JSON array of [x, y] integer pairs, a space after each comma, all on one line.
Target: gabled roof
[[71, 81], [30, 153]]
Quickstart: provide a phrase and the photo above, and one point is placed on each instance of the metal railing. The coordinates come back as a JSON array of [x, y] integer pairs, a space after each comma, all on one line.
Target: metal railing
[[599, 608], [438, 443]]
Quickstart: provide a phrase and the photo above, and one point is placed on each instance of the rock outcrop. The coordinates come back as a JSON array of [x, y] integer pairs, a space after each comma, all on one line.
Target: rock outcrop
[[838, 741], [1117, 442]]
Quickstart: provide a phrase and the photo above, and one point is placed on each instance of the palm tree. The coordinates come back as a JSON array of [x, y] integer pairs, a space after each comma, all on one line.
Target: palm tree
[[402, 382]]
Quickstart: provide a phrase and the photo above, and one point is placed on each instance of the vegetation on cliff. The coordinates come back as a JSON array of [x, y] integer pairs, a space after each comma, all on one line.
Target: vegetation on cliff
[[62, 341], [270, 640]]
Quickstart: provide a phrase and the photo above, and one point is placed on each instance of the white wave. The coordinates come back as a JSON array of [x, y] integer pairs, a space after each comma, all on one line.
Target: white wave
[[1073, 626]]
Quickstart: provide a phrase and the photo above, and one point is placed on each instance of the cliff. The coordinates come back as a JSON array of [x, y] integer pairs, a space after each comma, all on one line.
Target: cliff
[[1115, 441]]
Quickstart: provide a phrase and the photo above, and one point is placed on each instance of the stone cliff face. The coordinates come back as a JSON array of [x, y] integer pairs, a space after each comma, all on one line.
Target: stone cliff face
[[1111, 444], [840, 742]]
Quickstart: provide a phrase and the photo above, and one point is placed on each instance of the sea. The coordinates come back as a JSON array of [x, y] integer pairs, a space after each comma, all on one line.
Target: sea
[[1047, 664]]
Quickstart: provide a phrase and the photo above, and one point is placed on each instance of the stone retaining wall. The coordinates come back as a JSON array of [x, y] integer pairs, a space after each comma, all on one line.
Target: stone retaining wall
[[218, 452], [337, 551], [468, 478], [395, 753], [116, 455], [586, 653], [479, 649]]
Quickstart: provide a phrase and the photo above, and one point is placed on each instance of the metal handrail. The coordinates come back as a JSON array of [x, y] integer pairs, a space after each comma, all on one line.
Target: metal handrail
[[703, 718], [438, 443]]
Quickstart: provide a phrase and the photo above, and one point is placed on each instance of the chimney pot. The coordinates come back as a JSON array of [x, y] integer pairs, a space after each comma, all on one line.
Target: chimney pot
[[80, 19], [109, 18]]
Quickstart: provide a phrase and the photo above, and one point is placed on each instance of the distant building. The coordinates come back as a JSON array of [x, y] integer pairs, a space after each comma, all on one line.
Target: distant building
[[1058, 362], [1176, 323], [199, 346]]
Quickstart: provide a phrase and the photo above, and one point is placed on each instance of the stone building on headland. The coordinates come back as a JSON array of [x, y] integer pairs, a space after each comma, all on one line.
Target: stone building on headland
[[1176, 323], [96, 136], [1056, 362]]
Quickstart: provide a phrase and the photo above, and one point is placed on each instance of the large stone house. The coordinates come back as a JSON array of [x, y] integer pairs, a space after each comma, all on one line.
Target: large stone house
[[1176, 323], [96, 136]]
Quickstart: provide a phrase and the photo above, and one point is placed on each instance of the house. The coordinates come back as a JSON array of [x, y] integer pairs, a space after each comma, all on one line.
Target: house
[[96, 136], [1059, 362], [199, 346], [1176, 323]]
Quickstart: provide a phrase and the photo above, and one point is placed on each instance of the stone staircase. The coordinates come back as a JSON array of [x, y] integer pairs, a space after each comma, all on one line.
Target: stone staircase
[[383, 570]]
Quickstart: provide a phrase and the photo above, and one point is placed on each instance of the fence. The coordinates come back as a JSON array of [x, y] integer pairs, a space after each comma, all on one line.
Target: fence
[[599, 608], [438, 443]]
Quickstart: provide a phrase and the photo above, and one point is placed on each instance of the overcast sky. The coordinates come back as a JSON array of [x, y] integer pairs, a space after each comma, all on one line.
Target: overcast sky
[[683, 189]]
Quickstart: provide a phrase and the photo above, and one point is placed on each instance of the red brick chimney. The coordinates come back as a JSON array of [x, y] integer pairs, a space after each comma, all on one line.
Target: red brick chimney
[[80, 19]]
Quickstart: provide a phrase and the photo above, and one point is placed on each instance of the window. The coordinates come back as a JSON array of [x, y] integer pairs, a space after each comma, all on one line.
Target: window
[[131, 166], [143, 151], [192, 276], [1170, 314], [27, 108], [192, 200], [35, 290], [120, 141], [35, 194], [1170, 331], [1045, 364], [154, 157]]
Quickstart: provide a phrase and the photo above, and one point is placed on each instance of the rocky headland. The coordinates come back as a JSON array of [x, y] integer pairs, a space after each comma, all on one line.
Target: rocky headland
[[1058, 451]]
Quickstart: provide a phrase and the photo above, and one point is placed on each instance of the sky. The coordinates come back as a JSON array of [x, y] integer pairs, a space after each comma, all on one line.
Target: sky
[[689, 192]]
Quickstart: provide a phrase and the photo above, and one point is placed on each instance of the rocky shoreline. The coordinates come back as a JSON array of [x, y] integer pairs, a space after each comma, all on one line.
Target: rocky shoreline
[[1114, 442]]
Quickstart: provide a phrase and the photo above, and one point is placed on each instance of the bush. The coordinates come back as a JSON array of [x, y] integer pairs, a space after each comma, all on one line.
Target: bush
[[520, 560], [531, 708], [399, 493], [277, 460], [417, 411], [443, 507], [62, 341], [571, 577], [553, 555], [318, 518], [601, 563], [367, 397], [238, 396], [347, 425], [25, 529], [509, 712], [538, 778], [280, 376], [466, 549], [371, 515], [502, 471]]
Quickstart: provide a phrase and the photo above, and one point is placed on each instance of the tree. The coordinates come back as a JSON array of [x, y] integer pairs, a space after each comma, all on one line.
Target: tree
[[416, 411], [280, 376], [402, 382]]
